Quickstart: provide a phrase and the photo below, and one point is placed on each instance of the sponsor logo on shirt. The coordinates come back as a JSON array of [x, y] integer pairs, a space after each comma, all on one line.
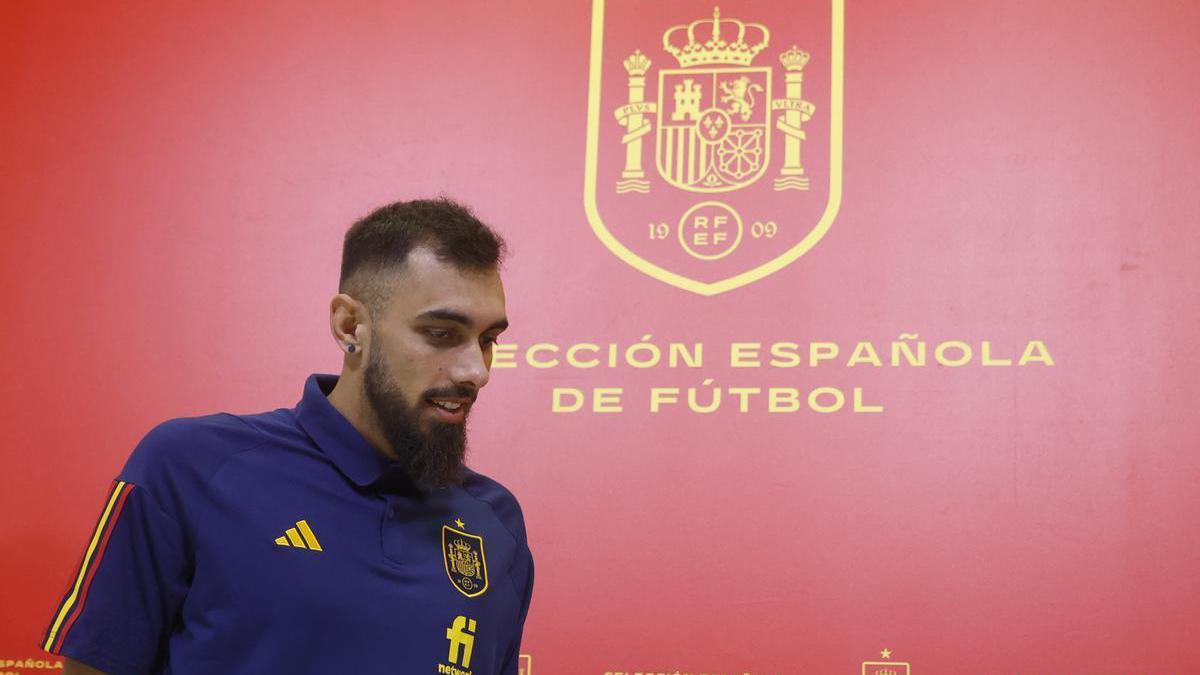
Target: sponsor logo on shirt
[[461, 635]]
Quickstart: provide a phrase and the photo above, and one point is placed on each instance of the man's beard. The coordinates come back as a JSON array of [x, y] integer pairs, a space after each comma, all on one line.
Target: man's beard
[[431, 459]]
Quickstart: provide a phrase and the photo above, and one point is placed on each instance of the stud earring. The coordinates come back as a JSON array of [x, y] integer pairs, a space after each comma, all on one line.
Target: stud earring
[[350, 348]]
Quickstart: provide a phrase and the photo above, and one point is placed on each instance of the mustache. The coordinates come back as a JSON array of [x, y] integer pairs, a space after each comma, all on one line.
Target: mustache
[[455, 391]]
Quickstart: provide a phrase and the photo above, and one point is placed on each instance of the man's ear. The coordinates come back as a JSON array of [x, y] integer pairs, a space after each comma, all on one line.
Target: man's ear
[[347, 317]]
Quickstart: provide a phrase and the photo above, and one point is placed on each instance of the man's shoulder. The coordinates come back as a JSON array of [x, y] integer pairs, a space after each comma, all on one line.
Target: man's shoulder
[[502, 501], [193, 448]]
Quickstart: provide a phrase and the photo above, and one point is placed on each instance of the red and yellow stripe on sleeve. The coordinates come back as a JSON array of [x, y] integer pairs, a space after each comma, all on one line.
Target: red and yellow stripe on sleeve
[[72, 603]]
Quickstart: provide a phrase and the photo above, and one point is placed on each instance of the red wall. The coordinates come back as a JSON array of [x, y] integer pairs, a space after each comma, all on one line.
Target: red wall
[[177, 178]]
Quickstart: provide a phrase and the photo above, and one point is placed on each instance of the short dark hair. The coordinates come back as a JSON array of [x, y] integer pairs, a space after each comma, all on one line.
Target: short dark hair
[[382, 241]]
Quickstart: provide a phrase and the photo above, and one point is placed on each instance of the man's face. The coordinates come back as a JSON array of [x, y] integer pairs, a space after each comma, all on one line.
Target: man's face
[[431, 352]]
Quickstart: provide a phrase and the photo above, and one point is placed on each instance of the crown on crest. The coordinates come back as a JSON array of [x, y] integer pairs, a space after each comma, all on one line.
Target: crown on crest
[[794, 58], [637, 63], [718, 48]]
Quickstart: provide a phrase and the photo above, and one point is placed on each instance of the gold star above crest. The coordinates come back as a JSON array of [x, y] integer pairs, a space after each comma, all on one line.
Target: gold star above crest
[[886, 653], [459, 523]]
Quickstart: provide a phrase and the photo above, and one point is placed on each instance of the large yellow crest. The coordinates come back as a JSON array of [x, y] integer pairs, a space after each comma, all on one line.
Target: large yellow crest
[[743, 139]]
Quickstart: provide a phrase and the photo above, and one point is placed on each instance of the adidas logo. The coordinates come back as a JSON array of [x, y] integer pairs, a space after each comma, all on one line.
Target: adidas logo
[[300, 536]]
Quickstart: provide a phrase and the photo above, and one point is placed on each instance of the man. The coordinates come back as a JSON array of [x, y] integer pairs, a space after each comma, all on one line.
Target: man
[[344, 535]]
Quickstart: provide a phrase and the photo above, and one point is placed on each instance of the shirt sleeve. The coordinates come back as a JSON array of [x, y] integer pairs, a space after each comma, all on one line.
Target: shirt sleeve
[[512, 660], [127, 592]]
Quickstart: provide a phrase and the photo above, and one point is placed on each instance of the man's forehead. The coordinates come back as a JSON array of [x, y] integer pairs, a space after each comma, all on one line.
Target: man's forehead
[[427, 284]]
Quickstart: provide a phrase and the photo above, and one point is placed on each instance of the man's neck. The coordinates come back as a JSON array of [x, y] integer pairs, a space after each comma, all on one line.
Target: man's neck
[[347, 398]]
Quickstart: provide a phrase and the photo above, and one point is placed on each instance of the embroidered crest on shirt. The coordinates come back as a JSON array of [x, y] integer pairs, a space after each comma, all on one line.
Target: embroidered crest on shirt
[[466, 564]]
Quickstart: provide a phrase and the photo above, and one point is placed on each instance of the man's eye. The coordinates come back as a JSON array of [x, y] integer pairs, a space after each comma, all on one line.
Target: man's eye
[[438, 334]]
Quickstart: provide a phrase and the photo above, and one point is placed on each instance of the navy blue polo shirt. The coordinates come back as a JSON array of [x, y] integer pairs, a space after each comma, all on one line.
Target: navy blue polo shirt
[[284, 543]]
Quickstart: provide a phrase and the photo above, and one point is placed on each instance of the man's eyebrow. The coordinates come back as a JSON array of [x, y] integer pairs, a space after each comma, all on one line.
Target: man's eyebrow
[[459, 318]]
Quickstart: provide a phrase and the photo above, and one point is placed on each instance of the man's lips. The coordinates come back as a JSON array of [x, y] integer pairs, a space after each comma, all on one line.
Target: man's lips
[[450, 408]]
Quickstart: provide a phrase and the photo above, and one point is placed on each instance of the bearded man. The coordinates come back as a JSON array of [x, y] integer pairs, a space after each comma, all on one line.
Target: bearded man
[[344, 535]]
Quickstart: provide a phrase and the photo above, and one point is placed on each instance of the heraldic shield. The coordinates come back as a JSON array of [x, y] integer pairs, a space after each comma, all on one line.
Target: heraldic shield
[[466, 564], [739, 107]]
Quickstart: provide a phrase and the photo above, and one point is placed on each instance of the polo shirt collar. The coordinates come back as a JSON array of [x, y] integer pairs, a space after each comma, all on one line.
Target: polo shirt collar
[[335, 436]]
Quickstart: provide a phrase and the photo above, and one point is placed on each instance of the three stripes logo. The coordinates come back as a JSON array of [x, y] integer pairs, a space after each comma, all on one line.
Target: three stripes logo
[[300, 536]]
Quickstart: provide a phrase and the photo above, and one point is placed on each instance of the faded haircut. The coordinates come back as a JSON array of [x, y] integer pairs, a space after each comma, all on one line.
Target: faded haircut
[[380, 243]]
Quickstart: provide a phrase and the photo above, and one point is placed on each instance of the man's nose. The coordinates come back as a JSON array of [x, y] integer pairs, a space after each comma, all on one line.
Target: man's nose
[[470, 367]]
